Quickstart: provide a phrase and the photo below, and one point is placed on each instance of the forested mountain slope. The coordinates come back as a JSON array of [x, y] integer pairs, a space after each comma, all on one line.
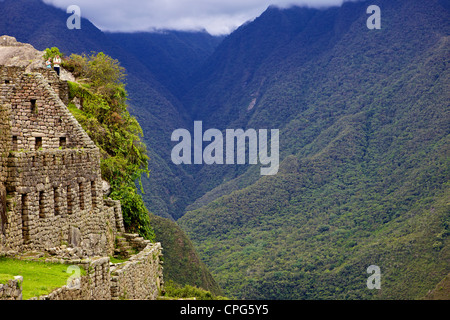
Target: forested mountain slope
[[364, 140], [172, 56]]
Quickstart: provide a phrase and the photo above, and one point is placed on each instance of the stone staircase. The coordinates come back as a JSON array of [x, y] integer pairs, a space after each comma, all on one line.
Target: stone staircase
[[128, 244]]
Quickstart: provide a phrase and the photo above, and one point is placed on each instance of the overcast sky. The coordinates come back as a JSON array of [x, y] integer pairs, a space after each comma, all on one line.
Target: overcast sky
[[214, 16]]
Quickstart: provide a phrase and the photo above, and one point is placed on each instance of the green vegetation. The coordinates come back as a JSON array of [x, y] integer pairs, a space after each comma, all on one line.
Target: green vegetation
[[117, 260], [442, 290], [364, 142], [175, 291], [104, 116], [39, 278], [182, 265], [52, 52], [4, 278]]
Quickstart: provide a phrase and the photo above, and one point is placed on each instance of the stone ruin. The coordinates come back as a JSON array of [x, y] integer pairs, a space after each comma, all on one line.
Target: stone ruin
[[51, 198]]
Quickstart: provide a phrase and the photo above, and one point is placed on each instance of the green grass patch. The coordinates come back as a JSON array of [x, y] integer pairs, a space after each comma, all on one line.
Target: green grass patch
[[117, 260], [4, 278], [39, 278]]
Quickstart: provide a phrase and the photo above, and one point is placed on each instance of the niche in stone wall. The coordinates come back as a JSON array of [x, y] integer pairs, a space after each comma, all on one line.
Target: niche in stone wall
[[93, 194], [62, 142], [56, 202], [14, 143], [33, 105], [41, 204], [70, 201], [38, 143], [25, 218], [81, 194]]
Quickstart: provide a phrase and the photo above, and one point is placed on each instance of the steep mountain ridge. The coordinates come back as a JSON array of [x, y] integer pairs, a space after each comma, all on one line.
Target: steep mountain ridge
[[332, 68], [172, 56]]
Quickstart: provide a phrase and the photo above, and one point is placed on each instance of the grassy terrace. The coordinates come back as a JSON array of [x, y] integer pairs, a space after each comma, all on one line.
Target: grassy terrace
[[39, 278]]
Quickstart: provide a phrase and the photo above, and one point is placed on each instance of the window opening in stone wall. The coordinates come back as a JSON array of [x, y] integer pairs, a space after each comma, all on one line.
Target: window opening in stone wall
[[56, 201], [93, 195], [7, 82], [33, 105], [62, 142], [69, 200], [14, 143], [25, 220], [41, 205], [38, 143], [80, 187]]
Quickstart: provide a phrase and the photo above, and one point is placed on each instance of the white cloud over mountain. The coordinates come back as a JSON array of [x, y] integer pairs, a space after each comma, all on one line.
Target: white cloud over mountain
[[214, 16]]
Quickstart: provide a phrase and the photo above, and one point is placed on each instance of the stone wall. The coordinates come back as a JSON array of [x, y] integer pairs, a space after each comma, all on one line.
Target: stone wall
[[95, 285], [10, 75], [139, 278], [5, 143], [116, 215], [61, 88], [50, 169], [39, 119], [2, 212], [12, 290], [5, 133], [52, 193], [5, 123]]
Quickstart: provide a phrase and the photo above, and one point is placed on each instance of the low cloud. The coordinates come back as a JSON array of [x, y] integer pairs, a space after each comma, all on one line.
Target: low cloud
[[214, 16]]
